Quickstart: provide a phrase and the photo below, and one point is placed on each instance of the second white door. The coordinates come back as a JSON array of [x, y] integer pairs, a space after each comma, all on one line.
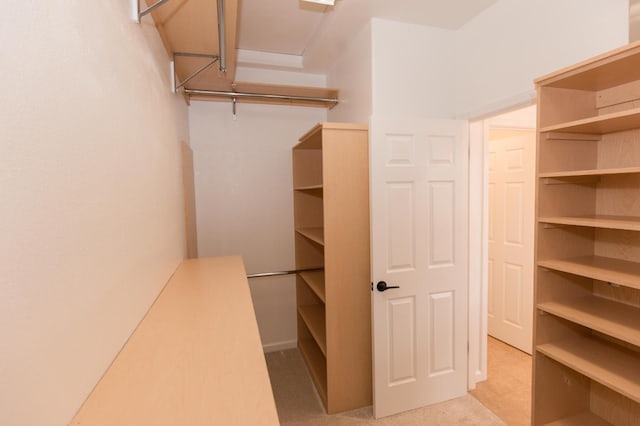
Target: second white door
[[511, 229]]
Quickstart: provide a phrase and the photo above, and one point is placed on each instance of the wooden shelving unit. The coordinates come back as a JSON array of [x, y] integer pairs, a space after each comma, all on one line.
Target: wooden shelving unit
[[331, 215], [587, 282]]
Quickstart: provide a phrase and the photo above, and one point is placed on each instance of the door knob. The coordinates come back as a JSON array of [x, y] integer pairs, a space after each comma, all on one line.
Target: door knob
[[382, 286]]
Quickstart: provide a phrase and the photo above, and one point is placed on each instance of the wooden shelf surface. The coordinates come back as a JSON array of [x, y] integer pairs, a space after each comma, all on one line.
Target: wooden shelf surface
[[315, 281], [585, 418], [309, 188], [314, 234], [601, 72], [590, 172], [313, 316], [602, 362], [627, 223], [317, 366], [614, 319], [601, 124], [195, 358], [600, 268]]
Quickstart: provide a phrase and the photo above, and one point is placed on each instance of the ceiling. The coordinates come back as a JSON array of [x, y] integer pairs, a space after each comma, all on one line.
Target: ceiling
[[294, 34]]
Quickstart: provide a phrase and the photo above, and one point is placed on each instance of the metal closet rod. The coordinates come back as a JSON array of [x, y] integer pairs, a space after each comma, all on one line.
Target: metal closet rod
[[277, 273], [239, 95]]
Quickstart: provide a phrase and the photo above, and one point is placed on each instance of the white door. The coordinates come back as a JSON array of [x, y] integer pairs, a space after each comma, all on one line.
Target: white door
[[418, 181], [511, 228]]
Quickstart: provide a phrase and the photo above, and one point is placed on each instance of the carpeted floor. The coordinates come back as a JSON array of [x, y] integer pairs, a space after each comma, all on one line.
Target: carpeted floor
[[507, 390], [298, 403]]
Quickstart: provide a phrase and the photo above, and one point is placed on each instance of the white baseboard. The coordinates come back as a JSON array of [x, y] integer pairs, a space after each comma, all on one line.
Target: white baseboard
[[280, 346]]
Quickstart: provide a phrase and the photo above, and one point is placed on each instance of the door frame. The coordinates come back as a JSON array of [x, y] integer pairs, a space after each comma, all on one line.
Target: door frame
[[479, 126]]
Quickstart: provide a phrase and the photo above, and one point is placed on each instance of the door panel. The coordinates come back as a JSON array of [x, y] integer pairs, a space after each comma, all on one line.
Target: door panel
[[511, 187], [419, 243]]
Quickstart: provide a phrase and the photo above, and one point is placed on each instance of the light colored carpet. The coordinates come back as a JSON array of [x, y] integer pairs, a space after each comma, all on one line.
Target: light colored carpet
[[507, 390], [299, 404]]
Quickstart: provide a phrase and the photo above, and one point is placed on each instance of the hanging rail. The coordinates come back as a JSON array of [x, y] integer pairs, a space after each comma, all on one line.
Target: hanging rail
[[278, 273], [238, 95]]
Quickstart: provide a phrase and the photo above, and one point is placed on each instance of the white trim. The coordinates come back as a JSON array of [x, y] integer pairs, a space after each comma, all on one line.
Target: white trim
[[280, 346], [478, 234], [477, 231]]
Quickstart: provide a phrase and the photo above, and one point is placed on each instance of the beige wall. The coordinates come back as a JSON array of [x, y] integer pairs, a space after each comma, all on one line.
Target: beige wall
[[91, 220]]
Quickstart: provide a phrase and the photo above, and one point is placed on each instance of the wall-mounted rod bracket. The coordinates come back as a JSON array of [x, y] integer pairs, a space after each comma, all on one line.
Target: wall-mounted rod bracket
[[176, 86], [137, 14]]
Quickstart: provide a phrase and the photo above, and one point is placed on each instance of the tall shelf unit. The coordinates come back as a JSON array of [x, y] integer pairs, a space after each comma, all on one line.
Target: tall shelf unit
[[331, 216], [587, 328]]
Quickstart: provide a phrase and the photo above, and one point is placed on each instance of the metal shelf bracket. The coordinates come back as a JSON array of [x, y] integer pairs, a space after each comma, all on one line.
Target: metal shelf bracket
[[212, 60], [138, 14]]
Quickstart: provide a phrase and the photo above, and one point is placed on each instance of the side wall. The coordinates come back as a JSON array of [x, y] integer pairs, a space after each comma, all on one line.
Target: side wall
[[502, 50], [244, 199], [351, 74], [92, 217], [413, 70]]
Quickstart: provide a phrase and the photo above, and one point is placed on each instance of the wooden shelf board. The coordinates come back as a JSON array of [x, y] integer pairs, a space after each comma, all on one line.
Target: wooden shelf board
[[596, 221], [313, 317], [309, 188], [315, 281], [601, 72], [606, 123], [606, 316], [317, 366], [314, 234], [600, 268], [590, 172], [585, 418], [602, 362]]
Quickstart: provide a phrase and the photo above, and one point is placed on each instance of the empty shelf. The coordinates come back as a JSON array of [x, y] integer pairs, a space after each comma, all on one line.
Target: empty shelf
[[607, 123], [581, 419], [596, 221], [604, 363], [316, 364], [591, 172], [315, 281], [314, 234], [600, 268], [313, 317], [614, 319], [308, 188]]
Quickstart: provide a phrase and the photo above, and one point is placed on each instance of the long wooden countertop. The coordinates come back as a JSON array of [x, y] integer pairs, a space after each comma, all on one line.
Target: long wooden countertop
[[195, 359]]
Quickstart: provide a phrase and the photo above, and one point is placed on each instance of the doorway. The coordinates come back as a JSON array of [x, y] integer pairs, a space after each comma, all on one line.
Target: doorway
[[508, 194], [510, 236]]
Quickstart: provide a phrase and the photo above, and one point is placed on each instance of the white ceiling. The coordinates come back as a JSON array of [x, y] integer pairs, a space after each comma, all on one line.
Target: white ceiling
[[286, 33]]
